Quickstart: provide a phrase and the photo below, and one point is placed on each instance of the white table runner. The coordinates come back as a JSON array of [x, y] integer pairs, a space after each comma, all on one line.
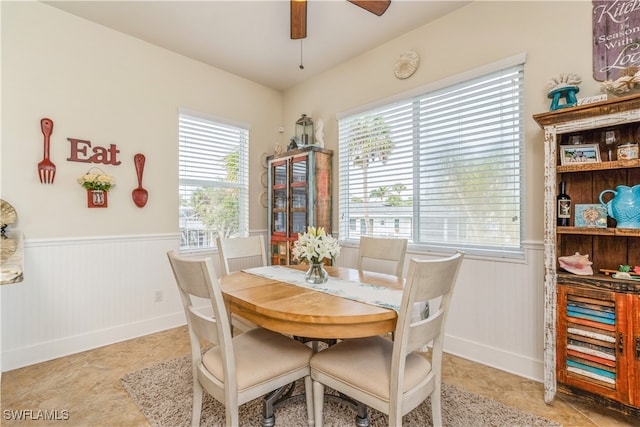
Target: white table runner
[[364, 292]]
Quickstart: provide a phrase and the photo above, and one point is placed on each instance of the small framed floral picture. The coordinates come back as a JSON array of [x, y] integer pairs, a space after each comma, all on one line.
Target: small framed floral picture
[[583, 153], [590, 216]]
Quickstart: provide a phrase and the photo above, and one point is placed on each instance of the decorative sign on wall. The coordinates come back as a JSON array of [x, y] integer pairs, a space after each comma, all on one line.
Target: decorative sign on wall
[[616, 37], [80, 153]]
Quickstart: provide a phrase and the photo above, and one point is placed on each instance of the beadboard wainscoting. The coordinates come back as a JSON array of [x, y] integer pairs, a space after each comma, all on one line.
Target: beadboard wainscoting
[[79, 294], [496, 316]]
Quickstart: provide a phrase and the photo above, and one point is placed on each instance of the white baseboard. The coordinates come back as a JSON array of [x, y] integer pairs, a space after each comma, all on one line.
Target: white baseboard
[[42, 352], [496, 358]]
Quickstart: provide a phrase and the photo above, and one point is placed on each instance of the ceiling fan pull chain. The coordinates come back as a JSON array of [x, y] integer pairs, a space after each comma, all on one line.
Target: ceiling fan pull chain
[[301, 66]]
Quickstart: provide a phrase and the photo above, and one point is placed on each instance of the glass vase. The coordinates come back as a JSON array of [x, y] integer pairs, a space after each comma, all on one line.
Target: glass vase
[[316, 274]]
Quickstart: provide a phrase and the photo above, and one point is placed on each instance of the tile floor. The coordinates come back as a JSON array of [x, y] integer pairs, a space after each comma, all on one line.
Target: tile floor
[[87, 386]]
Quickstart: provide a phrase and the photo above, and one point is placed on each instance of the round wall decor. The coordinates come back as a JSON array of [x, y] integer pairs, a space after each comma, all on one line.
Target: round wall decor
[[263, 160], [406, 64]]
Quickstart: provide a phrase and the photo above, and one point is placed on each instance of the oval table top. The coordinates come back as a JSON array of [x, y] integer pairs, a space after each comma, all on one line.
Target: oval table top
[[295, 310]]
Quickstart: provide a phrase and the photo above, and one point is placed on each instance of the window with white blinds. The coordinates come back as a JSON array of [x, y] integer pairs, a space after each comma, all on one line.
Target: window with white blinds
[[213, 171], [443, 169]]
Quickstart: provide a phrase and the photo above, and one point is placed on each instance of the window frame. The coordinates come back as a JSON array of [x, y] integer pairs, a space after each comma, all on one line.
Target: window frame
[[349, 237], [223, 134]]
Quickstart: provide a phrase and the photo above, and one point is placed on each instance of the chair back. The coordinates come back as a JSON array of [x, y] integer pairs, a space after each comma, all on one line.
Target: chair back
[[427, 280], [381, 255], [237, 253], [197, 278]]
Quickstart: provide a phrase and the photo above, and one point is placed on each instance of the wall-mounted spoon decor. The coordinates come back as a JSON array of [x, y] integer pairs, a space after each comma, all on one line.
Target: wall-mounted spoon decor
[[139, 194]]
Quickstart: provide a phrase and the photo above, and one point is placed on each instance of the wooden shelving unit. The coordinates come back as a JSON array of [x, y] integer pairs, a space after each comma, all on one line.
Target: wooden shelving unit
[[592, 323]]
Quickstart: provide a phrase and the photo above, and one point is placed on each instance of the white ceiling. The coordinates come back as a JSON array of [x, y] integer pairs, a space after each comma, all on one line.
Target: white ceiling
[[251, 38]]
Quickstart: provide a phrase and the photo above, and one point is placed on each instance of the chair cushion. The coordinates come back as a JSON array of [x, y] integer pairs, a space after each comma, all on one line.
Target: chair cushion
[[260, 356], [365, 364]]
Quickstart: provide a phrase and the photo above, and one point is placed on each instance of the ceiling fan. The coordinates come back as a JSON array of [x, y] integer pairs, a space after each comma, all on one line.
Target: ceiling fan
[[299, 14]]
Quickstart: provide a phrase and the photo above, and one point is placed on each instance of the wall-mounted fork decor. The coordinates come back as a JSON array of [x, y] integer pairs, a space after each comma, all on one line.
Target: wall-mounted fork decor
[[46, 168]]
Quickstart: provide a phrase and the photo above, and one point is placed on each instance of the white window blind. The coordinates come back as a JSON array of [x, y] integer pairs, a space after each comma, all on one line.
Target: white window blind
[[443, 169], [213, 171]]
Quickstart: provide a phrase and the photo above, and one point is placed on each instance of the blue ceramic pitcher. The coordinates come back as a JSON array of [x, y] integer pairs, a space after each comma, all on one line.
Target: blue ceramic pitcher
[[625, 206]]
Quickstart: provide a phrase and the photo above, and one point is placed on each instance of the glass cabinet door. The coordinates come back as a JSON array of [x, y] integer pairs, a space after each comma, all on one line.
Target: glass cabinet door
[[299, 166], [279, 197], [279, 223], [299, 195], [280, 174]]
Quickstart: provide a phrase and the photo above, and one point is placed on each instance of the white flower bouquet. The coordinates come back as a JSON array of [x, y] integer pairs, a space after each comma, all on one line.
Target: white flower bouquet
[[315, 245], [97, 181]]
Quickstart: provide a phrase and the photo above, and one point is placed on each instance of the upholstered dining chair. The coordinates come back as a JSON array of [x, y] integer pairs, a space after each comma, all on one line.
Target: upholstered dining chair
[[391, 376], [235, 254], [239, 369], [381, 255]]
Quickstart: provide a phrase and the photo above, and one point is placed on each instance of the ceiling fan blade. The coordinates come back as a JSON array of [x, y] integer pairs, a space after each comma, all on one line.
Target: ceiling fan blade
[[377, 7], [298, 19]]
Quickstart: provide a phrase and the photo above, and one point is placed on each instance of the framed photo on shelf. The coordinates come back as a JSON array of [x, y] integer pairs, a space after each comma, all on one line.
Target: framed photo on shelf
[[583, 153], [590, 216]]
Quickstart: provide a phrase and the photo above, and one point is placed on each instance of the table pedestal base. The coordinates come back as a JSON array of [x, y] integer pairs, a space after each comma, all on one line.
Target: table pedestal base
[[285, 394], [275, 399], [362, 416]]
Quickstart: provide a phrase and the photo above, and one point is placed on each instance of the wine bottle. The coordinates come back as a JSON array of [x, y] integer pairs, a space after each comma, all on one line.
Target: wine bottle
[[564, 206]]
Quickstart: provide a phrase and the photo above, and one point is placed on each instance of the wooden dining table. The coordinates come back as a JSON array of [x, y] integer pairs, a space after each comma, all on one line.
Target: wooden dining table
[[300, 311], [315, 315]]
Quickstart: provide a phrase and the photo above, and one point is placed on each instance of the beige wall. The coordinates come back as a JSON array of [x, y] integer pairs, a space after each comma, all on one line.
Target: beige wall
[[91, 274], [555, 35], [109, 88]]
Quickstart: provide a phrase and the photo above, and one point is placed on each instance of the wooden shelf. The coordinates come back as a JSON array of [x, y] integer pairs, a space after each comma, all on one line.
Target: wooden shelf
[[595, 231], [600, 281], [595, 110], [587, 167]]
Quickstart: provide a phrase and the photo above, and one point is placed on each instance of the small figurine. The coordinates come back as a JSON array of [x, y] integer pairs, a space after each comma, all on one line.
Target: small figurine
[[629, 81], [564, 87], [626, 268], [576, 264], [564, 80], [293, 145]]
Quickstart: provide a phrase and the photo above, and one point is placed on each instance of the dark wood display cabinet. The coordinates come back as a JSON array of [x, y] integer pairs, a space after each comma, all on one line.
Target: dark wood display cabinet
[[592, 322], [299, 197]]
